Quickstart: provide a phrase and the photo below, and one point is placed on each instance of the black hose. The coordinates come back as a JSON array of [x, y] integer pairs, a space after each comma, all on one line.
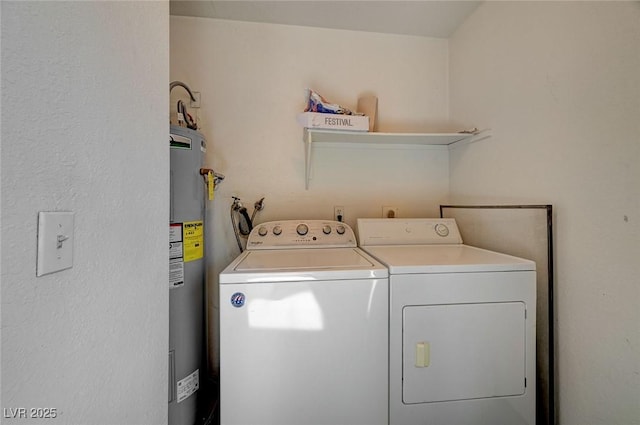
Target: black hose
[[243, 212]]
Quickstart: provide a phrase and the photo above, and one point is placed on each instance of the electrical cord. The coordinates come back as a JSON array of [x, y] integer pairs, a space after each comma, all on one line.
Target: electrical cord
[[182, 110]]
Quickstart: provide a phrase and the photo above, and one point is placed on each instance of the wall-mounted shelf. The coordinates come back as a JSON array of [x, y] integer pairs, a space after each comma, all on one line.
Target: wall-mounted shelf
[[312, 136]]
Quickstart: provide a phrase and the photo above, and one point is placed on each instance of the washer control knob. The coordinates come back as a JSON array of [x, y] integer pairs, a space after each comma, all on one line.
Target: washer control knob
[[326, 229], [262, 231], [302, 229], [442, 229], [277, 230], [340, 229]]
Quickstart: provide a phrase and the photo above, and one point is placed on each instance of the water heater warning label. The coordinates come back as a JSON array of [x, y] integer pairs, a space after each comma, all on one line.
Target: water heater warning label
[[193, 240], [176, 272], [176, 256], [188, 385]]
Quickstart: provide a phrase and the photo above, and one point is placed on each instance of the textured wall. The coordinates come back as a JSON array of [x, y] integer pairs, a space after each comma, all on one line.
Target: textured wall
[[84, 128], [559, 84]]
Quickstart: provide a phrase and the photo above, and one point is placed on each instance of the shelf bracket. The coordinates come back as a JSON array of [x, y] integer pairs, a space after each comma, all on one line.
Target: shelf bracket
[[307, 157]]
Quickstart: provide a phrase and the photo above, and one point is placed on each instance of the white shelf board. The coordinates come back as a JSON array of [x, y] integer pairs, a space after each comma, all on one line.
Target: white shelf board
[[337, 137]]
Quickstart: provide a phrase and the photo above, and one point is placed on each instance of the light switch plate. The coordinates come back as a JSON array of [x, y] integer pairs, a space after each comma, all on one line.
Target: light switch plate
[[55, 241]]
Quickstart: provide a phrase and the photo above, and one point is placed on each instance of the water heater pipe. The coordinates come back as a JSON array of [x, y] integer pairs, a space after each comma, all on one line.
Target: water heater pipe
[[183, 85]]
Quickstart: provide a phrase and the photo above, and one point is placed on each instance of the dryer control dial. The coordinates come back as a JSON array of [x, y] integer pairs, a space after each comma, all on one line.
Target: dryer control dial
[[326, 229], [442, 229]]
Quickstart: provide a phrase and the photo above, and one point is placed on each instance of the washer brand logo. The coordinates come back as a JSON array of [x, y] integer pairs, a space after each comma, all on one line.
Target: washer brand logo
[[237, 299]]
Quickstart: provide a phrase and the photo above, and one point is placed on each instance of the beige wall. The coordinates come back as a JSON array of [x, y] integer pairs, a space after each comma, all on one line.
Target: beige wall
[[559, 84], [253, 79], [84, 128]]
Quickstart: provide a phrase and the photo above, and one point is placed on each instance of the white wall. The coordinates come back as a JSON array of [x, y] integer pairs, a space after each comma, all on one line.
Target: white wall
[[253, 79], [84, 128], [559, 84]]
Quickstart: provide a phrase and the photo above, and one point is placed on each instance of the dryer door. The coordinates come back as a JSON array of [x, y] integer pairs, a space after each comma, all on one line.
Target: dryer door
[[463, 351]]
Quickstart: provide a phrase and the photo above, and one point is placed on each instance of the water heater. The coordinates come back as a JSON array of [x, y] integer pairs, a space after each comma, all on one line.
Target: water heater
[[186, 275]]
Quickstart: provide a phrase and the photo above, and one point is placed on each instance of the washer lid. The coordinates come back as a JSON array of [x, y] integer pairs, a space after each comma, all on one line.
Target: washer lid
[[286, 265], [407, 259]]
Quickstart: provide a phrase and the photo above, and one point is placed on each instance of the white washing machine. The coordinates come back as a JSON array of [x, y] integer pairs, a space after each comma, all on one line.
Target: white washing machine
[[303, 329], [462, 326]]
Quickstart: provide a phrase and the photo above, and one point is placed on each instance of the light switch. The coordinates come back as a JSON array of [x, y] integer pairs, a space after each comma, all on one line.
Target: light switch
[[55, 242]]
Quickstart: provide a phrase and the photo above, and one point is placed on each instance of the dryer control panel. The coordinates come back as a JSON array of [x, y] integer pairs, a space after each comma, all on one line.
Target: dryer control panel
[[301, 234], [408, 231]]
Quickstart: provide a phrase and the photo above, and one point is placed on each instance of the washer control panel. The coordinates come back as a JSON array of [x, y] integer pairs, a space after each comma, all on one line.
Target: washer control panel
[[301, 234]]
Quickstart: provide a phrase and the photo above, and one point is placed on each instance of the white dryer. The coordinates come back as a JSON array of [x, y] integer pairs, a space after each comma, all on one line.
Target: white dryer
[[462, 326], [303, 329]]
